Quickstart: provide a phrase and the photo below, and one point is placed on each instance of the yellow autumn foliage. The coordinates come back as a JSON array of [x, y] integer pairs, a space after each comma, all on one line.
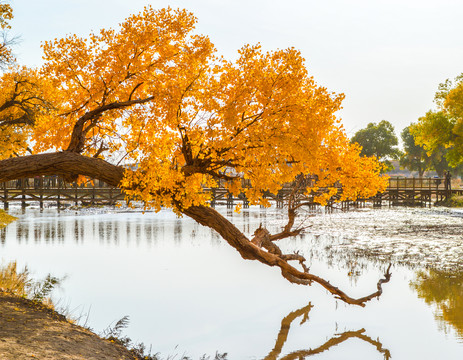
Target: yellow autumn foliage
[[23, 100], [6, 14], [154, 93]]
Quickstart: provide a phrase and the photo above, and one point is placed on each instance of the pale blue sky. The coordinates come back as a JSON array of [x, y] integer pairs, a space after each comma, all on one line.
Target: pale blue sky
[[387, 56]]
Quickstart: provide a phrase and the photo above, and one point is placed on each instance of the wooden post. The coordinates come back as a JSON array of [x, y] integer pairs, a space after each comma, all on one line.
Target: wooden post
[[76, 197], [93, 192], [230, 201], [430, 192], [245, 202], [58, 202], [111, 201], [5, 196], [214, 194], [23, 191], [279, 199], [41, 192]]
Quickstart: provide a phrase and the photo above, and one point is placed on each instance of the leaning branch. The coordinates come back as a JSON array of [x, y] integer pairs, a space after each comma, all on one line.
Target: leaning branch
[[66, 164], [256, 250], [293, 204], [80, 129]]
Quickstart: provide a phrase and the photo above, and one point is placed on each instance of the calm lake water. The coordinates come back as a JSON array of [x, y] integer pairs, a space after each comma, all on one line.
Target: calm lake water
[[187, 292]]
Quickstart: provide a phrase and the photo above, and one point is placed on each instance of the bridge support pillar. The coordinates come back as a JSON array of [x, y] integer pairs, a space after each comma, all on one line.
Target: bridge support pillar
[[229, 200]]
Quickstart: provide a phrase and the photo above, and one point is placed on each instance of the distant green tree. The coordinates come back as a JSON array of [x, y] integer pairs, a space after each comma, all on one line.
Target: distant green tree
[[439, 161], [414, 157], [378, 140], [436, 152], [444, 127]]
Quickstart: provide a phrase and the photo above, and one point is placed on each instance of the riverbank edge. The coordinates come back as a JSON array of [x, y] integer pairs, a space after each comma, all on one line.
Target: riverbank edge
[[31, 330]]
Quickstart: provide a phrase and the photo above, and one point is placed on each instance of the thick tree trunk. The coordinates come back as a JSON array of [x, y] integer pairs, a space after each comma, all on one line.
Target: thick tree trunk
[[66, 164]]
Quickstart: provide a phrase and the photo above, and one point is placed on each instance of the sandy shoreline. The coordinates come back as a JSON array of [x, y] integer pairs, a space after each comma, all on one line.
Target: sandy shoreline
[[30, 330]]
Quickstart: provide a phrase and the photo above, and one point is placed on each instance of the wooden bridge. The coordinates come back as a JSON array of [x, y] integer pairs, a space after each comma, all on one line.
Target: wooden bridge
[[416, 191], [52, 189]]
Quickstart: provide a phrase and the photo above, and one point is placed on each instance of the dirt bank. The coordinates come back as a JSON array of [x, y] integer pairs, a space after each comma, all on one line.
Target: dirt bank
[[29, 330]]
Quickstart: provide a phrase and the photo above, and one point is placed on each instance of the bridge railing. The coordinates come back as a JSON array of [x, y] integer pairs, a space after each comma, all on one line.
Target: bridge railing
[[54, 189], [49, 182], [416, 183]]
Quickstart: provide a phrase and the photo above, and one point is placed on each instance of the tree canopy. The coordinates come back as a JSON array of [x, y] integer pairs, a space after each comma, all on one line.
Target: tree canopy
[[416, 158], [21, 98], [378, 140], [444, 127], [153, 94], [6, 14]]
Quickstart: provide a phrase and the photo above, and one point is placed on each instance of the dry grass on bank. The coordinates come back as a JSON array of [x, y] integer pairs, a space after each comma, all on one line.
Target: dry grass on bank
[[13, 281]]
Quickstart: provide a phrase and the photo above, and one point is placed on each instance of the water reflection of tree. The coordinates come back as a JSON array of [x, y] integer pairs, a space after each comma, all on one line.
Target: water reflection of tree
[[334, 341], [445, 290]]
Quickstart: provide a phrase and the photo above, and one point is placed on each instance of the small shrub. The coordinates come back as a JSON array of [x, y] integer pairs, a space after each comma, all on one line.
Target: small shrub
[[456, 201], [21, 284], [114, 334], [17, 283], [41, 290]]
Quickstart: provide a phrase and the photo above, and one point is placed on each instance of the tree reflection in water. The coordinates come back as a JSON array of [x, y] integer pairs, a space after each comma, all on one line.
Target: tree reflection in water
[[334, 341], [445, 290]]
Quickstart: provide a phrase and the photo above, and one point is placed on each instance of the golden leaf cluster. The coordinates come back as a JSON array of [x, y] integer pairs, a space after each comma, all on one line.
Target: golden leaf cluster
[[154, 93], [6, 13], [22, 102]]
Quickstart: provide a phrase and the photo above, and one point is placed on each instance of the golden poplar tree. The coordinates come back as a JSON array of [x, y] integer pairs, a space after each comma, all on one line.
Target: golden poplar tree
[[155, 94]]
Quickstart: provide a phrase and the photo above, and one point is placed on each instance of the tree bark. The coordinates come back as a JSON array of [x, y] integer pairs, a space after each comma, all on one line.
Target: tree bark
[[66, 164]]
